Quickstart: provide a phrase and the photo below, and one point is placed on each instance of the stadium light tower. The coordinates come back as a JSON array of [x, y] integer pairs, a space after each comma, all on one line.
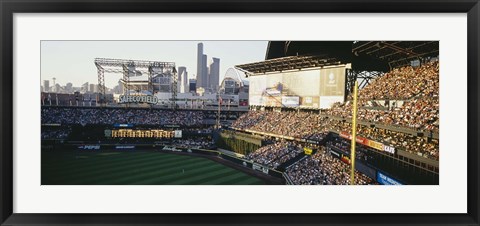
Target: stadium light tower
[[129, 68]]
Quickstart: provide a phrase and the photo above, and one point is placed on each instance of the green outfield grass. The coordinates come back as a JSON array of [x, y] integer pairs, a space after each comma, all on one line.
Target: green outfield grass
[[138, 168]]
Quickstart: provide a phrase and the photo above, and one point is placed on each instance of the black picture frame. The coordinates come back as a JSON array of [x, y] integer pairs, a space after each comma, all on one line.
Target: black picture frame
[[9, 7]]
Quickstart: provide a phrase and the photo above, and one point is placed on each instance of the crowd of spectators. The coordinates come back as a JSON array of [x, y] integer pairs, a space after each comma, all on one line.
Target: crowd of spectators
[[404, 83], [412, 94], [418, 88], [419, 145], [324, 169], [274, 155], [305, 125], [345, 146], [55, 133], [197, 142], [289, 124], [418, 114], [109, 116]]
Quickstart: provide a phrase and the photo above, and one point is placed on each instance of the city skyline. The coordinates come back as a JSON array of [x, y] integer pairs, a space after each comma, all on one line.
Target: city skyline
[[72, 61]]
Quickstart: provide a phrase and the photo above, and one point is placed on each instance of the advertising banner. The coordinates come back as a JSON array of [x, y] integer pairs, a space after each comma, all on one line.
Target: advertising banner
[[178, 134], [123, 125], [369, 143], [307, 151], [260, 168], [290, 101], [334, 153], [385, 180], [89, 147], [123, 147], [328, 101]]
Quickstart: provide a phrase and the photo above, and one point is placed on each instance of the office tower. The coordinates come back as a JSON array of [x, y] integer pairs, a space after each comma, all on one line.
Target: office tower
[[214, 74], [201, 64], [205, 82], [183, 79], [46, 86], [192, 86]]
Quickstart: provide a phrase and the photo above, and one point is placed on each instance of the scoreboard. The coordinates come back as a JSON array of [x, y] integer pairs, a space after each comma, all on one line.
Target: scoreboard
[[143, 133], [314, 88]]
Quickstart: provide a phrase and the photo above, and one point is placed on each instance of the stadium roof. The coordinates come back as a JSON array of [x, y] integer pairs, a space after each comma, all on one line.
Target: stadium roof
[[288, 63], [396, 53], [363, 55]]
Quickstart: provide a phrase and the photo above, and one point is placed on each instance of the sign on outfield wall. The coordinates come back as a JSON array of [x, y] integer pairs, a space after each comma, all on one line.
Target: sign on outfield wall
[[386, 180], [178, 134], [370, 143], [260, 168]]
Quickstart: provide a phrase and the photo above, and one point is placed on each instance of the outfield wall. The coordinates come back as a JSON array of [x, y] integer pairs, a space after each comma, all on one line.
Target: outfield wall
[[244, 163]]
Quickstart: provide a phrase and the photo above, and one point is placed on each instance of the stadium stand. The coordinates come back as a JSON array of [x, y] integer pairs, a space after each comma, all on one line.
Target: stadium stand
[[323, 169], [274, 155], [103, 116]]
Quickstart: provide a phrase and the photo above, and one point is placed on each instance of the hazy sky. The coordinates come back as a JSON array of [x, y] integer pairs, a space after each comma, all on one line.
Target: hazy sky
[[72, 61]]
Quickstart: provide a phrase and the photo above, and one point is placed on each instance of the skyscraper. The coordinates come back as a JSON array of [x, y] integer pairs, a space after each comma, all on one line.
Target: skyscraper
[[182, 79], [204, 78], [201, 64], [214, 75], [205, 81]]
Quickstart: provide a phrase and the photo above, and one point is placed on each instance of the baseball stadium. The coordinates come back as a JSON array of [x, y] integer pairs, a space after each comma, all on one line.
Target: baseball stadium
[[310, 113]]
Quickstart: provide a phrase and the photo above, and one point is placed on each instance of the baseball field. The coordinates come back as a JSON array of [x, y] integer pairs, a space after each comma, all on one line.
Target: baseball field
[[137, 168]]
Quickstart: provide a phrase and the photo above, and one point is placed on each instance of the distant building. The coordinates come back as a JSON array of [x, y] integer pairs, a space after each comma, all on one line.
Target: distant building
[[192, 85], [183, 79], [58, 88], [84, 88], [205, 80], [92, 88], [234, 84], [200, 64], [214, 74], [46, 85], [69, 88]]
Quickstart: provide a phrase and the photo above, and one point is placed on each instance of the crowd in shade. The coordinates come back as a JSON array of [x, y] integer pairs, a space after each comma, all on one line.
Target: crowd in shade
[[55, 133], [274, 155], [197, 142], [345, 146], [109, 116], [324, 169]]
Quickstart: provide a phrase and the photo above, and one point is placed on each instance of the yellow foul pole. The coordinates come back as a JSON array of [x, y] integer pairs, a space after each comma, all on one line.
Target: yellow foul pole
[[354, 134]]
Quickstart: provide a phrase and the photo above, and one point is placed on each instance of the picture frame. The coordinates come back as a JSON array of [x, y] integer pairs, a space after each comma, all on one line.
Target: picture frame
[[9, 8]]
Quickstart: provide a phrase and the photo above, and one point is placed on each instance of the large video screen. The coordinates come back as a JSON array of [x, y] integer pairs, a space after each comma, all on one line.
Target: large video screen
[[318, 88]]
